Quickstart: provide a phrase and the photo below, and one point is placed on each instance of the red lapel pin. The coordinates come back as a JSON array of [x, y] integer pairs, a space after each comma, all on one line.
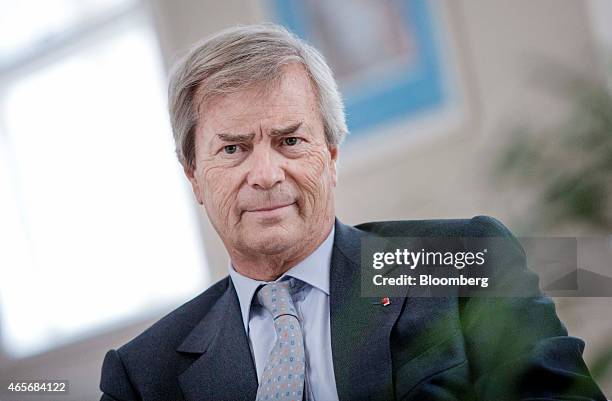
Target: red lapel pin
[[385, 301]]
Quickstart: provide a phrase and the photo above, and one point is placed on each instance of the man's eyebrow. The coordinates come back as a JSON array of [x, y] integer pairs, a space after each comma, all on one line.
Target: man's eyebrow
[[285, 131], [235, 137], [275, 132]]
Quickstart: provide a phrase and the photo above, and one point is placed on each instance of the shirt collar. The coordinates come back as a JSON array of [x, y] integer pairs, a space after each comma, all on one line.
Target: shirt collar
[[313, 270]]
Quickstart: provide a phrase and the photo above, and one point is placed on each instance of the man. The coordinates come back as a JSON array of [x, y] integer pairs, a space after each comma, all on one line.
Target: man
[[258, 120]]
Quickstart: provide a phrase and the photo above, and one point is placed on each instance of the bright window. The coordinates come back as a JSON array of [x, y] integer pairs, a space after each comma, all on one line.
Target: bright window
[[97, 225]]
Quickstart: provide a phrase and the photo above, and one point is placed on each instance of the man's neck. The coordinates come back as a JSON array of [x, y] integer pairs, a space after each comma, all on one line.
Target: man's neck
[[271, 267]]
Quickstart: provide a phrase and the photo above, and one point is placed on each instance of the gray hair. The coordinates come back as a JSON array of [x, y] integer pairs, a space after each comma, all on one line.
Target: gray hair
[[237, 58]]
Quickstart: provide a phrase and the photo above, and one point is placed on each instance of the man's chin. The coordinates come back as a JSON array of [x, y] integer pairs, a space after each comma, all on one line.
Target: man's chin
[[270, 240]]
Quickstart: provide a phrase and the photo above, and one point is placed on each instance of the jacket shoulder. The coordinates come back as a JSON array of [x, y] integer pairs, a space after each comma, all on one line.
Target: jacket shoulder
[[478, 226], [149, 362], [168, 332]]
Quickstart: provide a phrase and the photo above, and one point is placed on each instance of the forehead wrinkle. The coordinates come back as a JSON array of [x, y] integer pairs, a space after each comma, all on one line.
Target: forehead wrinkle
[[226, 131]]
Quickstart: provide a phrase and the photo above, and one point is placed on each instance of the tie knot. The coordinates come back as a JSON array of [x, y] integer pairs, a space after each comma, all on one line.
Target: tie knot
[[275, 297]]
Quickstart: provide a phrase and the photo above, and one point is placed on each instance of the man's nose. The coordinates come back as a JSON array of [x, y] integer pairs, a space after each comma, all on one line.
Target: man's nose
[[265, 170]]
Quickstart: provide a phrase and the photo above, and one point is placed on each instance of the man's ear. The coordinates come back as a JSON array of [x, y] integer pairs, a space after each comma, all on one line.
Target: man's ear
[[333, 151], [190, 174]]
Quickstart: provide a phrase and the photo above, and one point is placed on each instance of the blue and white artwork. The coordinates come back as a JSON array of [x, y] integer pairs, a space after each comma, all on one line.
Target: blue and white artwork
[[385, 55]]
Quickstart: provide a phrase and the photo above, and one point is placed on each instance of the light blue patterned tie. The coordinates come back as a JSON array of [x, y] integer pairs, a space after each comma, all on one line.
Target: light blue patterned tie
[[283, 375]]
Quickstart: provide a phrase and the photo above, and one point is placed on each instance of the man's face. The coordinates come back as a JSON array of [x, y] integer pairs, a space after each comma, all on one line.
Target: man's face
[[263, 169]]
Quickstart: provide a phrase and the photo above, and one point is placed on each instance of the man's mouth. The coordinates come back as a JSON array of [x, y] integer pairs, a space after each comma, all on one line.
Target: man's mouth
[[270, 208]]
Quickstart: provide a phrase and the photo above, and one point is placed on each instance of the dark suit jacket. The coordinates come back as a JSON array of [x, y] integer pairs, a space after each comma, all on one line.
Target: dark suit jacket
[[416, 348]]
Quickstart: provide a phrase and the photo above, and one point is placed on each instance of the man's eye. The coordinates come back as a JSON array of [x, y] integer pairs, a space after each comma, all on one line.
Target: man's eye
[[230, 149], [291, 141]]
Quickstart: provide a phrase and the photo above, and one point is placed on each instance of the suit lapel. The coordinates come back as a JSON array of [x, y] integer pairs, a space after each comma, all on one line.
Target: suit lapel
[[360, 327], [225, 370]]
